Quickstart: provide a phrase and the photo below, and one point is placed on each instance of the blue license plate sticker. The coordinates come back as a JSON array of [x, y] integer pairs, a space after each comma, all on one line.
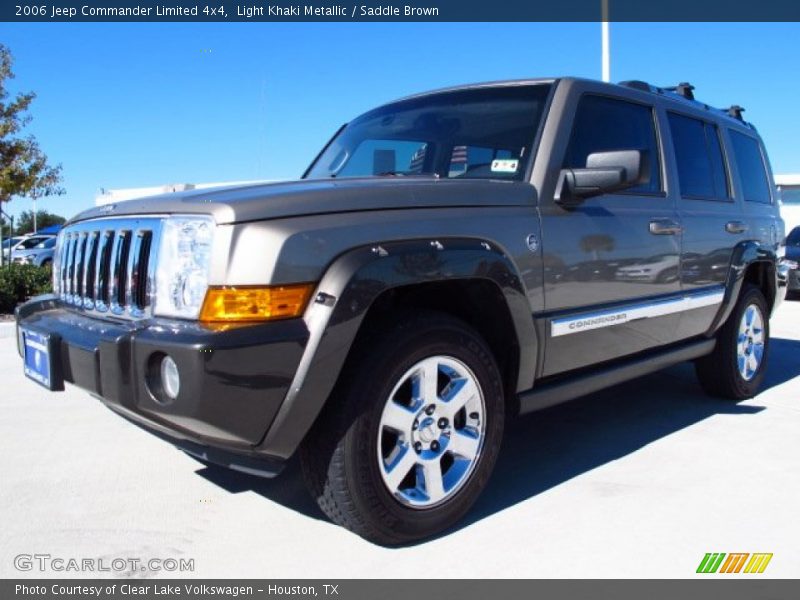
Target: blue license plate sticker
[[37, 357]]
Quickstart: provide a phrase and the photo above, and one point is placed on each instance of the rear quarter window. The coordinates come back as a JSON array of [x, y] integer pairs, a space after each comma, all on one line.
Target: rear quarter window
[[752, 170], [698, 155]]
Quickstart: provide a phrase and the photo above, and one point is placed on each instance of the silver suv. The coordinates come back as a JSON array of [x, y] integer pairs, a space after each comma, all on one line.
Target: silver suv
[[448, 261]]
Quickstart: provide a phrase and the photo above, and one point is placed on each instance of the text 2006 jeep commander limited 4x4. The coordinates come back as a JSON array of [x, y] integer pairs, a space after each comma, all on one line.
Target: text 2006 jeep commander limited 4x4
[[447, 261]]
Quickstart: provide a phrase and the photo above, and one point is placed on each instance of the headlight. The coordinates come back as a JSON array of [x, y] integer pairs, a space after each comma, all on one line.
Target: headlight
[[184, 261]]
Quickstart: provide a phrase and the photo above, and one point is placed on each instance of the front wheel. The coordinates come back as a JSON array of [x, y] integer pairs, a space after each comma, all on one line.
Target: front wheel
[[737, 366], [409, 438]]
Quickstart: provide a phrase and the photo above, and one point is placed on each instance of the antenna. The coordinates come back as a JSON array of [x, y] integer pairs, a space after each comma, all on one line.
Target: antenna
[[606, 54]]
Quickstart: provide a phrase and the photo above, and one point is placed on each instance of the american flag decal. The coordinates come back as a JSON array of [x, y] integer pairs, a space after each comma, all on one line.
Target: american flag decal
[[418, 160], [459, 155]]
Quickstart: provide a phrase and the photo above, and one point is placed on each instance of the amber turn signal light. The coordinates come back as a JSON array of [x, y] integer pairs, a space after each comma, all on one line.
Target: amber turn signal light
[[238, 304]]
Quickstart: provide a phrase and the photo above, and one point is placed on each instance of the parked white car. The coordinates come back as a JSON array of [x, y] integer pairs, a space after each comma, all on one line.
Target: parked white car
[[662, 268], [17, 244]]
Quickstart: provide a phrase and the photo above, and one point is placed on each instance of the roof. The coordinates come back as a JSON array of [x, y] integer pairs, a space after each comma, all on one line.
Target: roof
[[679, 94]]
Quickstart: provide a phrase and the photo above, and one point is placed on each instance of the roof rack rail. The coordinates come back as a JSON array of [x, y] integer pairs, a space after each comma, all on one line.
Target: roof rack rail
[[640, 85], [684, 89], [736, 112]]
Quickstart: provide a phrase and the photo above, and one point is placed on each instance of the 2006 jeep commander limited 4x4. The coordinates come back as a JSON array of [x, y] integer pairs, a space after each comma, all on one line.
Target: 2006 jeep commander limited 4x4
[[447, 261]]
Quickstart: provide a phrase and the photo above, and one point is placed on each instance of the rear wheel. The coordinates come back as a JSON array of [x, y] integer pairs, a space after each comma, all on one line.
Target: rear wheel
[[409, 438], [737, 367]]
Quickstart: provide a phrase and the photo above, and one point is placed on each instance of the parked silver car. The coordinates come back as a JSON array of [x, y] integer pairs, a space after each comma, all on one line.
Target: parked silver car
[[38, 252], [9, 244]]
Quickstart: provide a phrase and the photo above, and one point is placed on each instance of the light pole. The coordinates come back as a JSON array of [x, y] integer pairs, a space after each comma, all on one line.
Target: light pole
[[606, 57]]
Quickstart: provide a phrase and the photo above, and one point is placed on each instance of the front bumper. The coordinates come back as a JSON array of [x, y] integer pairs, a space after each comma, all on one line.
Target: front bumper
[[232, 382]]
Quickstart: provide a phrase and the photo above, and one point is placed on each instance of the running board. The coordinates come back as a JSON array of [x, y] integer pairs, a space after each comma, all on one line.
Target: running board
[[550, 394]]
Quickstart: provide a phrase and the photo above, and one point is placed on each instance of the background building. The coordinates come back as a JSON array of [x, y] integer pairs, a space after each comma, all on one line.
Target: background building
[[789, 190]]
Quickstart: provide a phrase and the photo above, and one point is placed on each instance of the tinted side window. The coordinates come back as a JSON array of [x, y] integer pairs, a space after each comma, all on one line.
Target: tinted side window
[[603, 124], [701, 168], [747, 152], [721, 186]]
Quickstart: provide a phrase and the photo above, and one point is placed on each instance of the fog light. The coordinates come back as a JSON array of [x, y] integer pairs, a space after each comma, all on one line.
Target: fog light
[[170, 379]]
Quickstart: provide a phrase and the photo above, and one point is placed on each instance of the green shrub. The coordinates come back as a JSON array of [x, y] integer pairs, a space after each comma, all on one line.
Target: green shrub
[[20, 282]]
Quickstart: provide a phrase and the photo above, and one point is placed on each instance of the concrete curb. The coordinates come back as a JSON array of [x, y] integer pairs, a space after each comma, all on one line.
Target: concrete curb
[[7, 329]]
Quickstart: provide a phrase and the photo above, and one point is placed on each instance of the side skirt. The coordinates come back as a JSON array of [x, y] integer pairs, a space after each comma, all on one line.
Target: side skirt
[[550, 394]]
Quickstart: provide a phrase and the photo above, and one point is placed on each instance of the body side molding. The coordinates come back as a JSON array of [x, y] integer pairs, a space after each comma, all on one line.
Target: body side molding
[[640, 310]]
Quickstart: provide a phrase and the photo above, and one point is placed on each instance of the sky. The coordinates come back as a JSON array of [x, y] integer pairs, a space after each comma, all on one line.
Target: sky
[[139, 104]]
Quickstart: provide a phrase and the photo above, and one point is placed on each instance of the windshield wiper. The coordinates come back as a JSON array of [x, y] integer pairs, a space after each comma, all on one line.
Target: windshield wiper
[[401, 174]]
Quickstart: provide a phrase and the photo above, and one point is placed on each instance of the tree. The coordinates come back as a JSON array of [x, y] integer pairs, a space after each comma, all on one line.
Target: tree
[[24, 169], [24, 223]]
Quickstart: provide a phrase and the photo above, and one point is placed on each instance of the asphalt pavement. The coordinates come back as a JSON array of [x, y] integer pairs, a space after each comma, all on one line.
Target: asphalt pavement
[[640, 480]]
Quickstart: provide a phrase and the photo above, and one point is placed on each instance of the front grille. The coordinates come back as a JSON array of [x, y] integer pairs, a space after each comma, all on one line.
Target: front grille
[[107, 266]]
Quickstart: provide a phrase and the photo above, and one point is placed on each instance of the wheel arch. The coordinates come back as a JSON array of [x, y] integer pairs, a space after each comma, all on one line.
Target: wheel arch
[[754, 263], [365, 284]]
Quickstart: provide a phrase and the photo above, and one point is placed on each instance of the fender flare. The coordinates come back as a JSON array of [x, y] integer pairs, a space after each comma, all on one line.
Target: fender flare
[[745, 254], [349, 288]]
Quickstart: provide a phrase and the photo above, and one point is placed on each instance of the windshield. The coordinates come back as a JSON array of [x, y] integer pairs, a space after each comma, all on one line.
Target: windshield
[[483, 133], [30, 243], [48, 243]]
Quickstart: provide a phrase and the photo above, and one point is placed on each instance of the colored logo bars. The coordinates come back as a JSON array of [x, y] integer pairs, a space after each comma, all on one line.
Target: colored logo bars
[[719, 562]]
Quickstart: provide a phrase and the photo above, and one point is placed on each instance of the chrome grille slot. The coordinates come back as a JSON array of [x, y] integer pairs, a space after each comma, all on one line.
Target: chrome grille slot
[[80, 254], [103, 261], [107, 265], [136, 282], [73, 241], [139, 285], [88, 273], [119, 268]]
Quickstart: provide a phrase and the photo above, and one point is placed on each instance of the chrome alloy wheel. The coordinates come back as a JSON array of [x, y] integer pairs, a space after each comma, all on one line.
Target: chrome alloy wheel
[[750, 343], [431, 432]]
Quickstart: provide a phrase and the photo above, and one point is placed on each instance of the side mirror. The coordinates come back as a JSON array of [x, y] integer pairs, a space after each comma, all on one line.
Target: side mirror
[[605, 172]]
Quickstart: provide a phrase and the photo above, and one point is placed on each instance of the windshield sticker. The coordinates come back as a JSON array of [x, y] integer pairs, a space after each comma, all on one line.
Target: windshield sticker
[[505, 165]]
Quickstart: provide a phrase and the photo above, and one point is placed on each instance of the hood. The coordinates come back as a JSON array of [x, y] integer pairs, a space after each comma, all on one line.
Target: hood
[[322, 196]]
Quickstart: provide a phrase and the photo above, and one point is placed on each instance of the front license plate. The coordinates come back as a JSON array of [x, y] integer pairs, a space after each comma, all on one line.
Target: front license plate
[[38, 360]]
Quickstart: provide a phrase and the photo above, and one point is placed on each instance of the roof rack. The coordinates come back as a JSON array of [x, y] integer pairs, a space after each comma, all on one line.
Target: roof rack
[[684, 90], [736, 112], [642, 86]]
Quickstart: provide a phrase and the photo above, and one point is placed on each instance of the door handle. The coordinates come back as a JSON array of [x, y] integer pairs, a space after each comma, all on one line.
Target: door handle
[[664, 227], [735, 227]]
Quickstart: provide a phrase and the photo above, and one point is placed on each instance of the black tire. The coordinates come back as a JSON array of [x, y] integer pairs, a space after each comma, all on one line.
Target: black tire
[[719, 372], [340, 457]]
